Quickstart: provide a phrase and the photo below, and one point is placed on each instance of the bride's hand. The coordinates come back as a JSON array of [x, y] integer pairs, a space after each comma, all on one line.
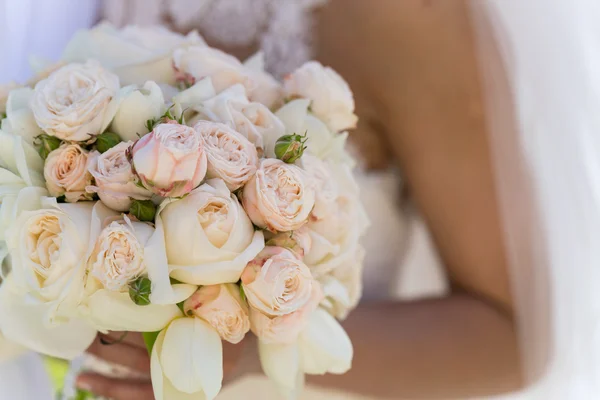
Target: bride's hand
[[131, 352]]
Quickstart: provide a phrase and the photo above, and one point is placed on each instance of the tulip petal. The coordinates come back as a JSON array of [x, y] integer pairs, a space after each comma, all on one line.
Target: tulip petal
[[192, 357], [325, 346], [23, 323], [281, 364], [114, 311], [222, 271]]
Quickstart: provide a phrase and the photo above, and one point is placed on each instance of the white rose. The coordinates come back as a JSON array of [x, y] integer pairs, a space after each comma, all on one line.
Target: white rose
[[114, 178], [336, 232], [252, 119], [170, 161], [48, 243], [136, 108], [342, 287], [118, 258], [266, 89], [66, 173], [331, 98], [215, 244], [187, 361], [278, 197], [4, 92], [198, 62], [75, 102], [322, 142], [230, 155], [223, 308], [20, 167], [136, 54], [19, 119], [21, 176], [277, 283]]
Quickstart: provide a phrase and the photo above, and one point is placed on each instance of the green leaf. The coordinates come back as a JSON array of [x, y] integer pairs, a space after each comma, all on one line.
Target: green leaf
[[243, 294], [144, 210], [140, 290], [46, 144], [84, 395], [107, 141], [150, 339], [180, 306]]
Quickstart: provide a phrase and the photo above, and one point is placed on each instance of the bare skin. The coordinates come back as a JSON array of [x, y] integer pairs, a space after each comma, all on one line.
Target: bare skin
[[413, 68]]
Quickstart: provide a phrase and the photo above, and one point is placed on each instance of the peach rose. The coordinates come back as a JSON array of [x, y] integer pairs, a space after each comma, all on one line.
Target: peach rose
[[66, 173], [278, 197], [231, 156], [223, 308], [277, 283]]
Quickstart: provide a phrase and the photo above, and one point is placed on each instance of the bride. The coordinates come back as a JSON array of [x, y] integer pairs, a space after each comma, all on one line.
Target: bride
[[437, 85]]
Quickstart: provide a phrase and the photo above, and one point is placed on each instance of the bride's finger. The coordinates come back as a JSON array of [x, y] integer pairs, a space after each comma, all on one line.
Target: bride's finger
[[135, 358], [115, 389]]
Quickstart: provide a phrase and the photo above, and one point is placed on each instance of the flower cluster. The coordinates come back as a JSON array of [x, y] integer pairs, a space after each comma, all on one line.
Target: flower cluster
[[177, 191]]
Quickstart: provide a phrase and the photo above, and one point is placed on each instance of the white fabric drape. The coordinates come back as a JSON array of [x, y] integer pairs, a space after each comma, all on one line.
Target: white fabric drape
[[546, 139]]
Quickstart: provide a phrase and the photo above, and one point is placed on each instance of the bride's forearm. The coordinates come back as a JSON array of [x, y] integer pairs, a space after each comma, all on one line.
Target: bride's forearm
[[455, 347]]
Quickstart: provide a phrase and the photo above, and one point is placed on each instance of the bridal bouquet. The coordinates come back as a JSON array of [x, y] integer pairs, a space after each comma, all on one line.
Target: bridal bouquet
[[151, 183]]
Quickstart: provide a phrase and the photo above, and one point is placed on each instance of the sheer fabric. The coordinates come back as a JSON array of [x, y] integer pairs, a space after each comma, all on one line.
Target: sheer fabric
[[540, 63]]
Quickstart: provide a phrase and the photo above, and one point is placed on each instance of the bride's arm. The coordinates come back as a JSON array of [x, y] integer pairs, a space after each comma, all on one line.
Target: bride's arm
[[420, 70]]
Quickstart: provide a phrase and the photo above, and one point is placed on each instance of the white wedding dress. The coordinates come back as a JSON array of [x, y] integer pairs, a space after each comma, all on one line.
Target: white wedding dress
[[546, 139]]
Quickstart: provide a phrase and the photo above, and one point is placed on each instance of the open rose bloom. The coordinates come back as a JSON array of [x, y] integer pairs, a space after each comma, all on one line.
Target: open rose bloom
[[181, 193]]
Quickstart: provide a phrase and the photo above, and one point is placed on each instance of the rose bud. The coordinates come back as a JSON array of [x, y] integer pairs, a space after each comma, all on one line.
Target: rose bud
[[277, 283], [278, 197], [289, 148], [170, 161], [223, 308]]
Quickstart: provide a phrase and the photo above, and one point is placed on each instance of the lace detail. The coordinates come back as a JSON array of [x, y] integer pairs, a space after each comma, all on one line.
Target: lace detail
[[281, 28]]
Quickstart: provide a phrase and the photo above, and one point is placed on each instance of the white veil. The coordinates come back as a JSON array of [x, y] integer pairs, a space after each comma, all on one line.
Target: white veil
[[541, 74]]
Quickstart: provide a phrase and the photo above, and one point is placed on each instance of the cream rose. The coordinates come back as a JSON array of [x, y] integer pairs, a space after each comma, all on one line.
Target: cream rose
[[298, 241], [75, 102], [66, 173], [278, 197], [209, 238], [19, 119], [136, 54], [49, 247], [231, 156], [252, 119], [338, 226], [223, 308], [277, 283], [284, 328], [198, 62], [331, 98], [170, 161], [114, 178], [119, 256], [322, 142]]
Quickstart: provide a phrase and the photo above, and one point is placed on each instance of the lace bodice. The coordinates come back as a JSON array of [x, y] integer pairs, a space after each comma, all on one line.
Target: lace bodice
[[280, 28]]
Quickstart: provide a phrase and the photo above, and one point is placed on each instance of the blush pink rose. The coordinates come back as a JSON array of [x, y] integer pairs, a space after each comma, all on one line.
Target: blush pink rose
[[170, 161]]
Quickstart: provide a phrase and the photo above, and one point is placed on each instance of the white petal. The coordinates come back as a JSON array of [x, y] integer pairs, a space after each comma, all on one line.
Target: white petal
[[114, 311], [23, 323], [138, 107], [19, 117], [281, 364], [220, 272], [325, 346], [201, 91], [192, 357], [293, 115]]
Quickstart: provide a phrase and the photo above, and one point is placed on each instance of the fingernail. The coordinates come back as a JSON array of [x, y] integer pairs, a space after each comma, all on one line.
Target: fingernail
[[82, 384]]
